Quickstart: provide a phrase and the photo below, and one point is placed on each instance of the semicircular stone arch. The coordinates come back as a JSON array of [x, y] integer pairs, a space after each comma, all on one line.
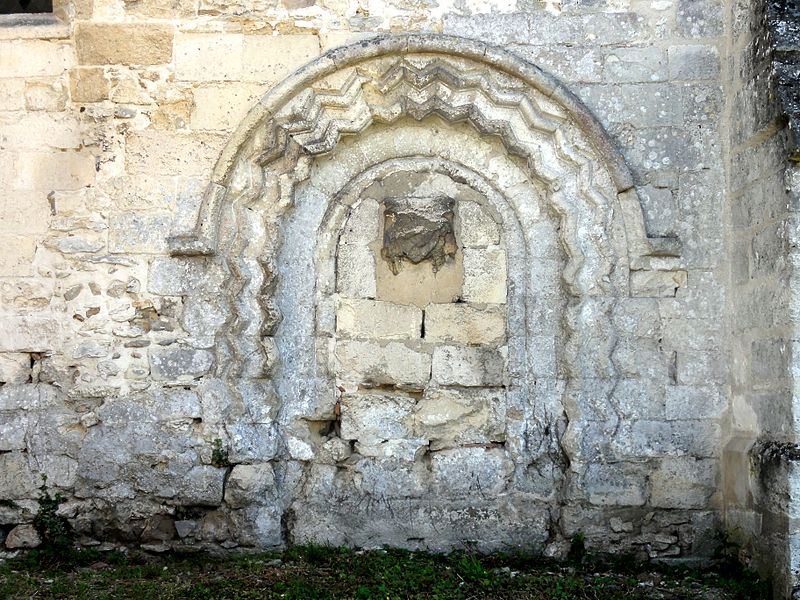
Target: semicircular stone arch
[[450, 130]]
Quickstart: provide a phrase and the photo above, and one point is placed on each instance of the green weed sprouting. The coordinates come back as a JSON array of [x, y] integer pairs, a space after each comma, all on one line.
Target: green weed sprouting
[[54, 529], [219, 455]]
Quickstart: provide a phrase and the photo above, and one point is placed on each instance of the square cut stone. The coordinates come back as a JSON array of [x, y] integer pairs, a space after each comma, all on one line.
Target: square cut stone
[[122, 43], [475, 226], [377, 320], [373, 418], [465, 324], [485, 275], [355, 271], [383, 364], [454, 417], [470, 471], [468, 366]]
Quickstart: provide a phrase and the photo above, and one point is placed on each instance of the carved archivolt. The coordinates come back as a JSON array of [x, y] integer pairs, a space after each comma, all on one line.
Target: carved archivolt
[[565, 155]]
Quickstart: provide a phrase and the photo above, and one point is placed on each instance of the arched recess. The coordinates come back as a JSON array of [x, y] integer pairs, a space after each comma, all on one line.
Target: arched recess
[[511, 130]]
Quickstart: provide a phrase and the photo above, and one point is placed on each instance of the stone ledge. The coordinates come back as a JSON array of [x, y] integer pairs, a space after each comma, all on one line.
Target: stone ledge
[[32, 26]]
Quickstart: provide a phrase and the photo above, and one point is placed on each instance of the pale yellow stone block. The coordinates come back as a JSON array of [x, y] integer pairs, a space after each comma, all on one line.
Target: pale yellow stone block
[[268, 59], [123, 44], [39, 129], [222, 107], [162, 9], [208, 56], [390, 363], [372, 319], [17, 255], [54, 170], [419, 284], [28, 333], [168, 153], [12, 94], [455, 416], [465, 324], [485, 274], [45, 95], [475, 226], [34, 58], [23, 212], [15, 367], [372, 418], [88, 84]]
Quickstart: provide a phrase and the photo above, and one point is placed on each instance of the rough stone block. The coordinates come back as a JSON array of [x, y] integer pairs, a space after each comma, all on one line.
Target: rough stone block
[[465, 324], [23, 536], [390, 478], [391, 364], [403, 450], [208, 56], [635, 65], [700, 18], [683, 482], [88, 84], [139, 232], [181, 276], [485, 275], [17, 479], [124, 44], [468, 366], [250, 484], [471, 471], [374, 418], [12, 431], [657, 284], [179, 364], [29, 333], [475, 228], [203, 485], [15, 367], [452, 417], [617, 484], [695, 402], [268, 59], [355, 271], [693, 62], [377, 320], [47, 96]]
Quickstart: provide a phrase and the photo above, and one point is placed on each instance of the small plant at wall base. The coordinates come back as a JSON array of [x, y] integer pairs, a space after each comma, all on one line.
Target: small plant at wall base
[[54, 529]]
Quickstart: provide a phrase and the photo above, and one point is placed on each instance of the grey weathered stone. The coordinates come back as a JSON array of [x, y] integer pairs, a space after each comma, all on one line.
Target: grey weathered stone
[[176, 363], [468, 366], [249, 484]]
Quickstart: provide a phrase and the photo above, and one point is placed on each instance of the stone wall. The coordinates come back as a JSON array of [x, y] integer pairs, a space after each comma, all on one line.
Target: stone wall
[[182, 394], [758, 461]]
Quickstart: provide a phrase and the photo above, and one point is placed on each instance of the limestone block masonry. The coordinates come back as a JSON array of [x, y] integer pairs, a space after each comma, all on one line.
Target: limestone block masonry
[[481, 275]]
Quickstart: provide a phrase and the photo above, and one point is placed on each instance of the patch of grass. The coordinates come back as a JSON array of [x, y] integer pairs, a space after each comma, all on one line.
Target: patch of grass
[[327, 573]]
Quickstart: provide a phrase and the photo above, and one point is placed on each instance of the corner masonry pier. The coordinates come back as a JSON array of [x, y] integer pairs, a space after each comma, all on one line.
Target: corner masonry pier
[[491, 288]]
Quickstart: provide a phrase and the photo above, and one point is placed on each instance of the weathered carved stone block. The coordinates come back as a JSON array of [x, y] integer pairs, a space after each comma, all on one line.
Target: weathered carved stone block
[[418, 229]]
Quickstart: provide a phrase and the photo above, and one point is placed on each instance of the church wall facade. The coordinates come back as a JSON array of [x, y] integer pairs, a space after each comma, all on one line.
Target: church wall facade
[[210, 331]]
